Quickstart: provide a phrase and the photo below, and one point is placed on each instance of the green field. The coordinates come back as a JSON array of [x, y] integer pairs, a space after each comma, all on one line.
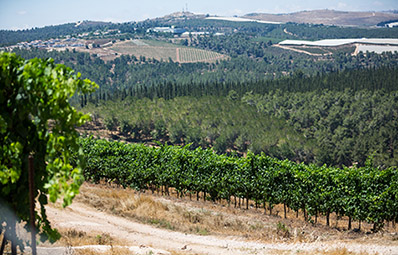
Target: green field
[[164, 51]]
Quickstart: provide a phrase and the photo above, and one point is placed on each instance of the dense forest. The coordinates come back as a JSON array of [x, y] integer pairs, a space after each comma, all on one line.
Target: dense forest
[[303, 119], [225, 124], [347, 125], [134, 74]]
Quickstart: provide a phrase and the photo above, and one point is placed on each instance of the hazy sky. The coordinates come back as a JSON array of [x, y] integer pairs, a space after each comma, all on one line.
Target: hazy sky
[[19, 14]]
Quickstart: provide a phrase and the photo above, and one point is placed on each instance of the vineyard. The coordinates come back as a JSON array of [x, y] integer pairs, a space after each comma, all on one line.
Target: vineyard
[[146, 48], [164, 51], [190, 55], [363, 194]]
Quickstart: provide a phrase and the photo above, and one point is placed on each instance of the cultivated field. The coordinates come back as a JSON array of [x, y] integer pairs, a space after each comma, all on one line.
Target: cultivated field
[[147, 48], [164, 51], [190, 55]]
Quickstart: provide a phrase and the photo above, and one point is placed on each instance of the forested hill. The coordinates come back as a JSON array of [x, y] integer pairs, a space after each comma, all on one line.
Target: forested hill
[[10, 37], [335, 119], [128, 75], [274, 32]]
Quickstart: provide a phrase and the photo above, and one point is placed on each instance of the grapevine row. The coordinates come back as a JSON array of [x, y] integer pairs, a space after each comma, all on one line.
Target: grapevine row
[[192, 55], [361, 193]]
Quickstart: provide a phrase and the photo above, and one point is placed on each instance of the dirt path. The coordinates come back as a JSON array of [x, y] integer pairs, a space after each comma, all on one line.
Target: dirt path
[[178, 55], [84, 218], [356, 50], [289, 33]]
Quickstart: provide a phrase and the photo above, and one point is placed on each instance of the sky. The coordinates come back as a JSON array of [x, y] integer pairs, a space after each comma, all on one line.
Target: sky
[[22, 14]]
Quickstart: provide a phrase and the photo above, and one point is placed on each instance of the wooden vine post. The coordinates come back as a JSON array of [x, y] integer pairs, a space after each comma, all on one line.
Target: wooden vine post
[[32, 204]]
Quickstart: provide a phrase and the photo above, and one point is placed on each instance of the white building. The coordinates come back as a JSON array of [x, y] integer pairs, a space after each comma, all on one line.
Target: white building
[[173, 30]]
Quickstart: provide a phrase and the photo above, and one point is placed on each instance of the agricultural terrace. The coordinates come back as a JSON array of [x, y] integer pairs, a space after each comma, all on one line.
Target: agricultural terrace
[[164, 51]]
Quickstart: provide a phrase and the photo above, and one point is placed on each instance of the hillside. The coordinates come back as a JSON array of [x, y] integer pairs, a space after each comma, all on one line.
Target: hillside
[[165, 51], [328, 17]]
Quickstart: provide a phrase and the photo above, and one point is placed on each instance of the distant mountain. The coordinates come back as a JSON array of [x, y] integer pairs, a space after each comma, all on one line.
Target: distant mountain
[[328, 17]]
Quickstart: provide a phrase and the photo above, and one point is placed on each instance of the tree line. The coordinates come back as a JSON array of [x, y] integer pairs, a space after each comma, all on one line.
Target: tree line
[[224, 124], [335, 119]]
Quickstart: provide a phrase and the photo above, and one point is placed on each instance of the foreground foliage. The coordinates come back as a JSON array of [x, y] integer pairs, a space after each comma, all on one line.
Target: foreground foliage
[[36, 119], [363, 194]]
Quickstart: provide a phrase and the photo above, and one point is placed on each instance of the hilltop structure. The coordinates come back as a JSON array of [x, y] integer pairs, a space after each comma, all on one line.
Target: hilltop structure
[[172, 30]]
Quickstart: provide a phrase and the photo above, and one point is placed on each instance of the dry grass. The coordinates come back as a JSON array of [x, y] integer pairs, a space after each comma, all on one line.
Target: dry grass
[[340, 251], [111, 251], [192, 219], [72, 237], [105, 54], [158, 51], [205, 218]]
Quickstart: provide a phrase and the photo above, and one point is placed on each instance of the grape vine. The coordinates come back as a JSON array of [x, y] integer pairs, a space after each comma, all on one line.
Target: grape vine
[[363, 194]]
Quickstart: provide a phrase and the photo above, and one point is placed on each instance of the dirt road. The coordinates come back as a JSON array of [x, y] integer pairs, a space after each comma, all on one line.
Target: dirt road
[[153, 240]]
